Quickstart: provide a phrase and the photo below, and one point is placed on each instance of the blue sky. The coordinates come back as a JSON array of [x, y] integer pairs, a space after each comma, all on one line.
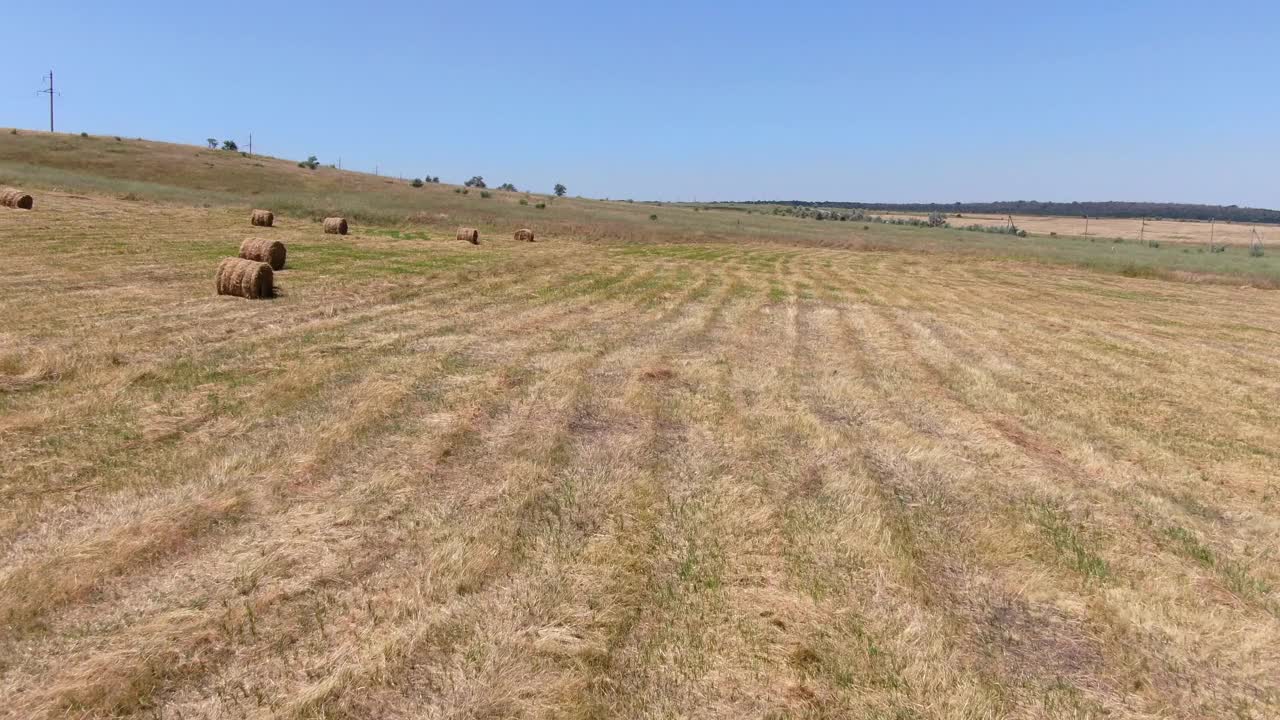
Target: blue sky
[[925, 101]]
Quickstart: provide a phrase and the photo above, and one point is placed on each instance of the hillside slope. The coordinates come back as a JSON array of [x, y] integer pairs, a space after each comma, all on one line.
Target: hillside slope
[[199, 177]]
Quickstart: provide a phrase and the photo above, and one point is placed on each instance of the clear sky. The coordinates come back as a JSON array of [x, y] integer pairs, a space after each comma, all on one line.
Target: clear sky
[[885, 101]]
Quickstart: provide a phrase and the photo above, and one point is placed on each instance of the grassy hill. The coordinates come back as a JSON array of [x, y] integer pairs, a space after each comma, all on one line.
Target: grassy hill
[[716, 465], [195, 176]]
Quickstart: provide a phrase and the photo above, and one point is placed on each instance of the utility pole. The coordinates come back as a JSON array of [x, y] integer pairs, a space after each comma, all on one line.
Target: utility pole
[[50, 92], [250, 144], [1142, 234], [1086, 226], [1211, 222]]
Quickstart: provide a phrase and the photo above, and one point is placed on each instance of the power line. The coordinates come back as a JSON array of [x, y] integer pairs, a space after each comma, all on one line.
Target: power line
[[50, 92]]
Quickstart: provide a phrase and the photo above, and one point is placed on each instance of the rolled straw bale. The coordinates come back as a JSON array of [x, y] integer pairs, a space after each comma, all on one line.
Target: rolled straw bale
[[264, 250], [245, 278], [470, 235], [16, 199], [524, 235], [262, 218], [335, 226]]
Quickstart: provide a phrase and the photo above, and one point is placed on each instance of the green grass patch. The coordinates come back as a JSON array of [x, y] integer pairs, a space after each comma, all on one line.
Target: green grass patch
[[396, 234], [1069, 541]]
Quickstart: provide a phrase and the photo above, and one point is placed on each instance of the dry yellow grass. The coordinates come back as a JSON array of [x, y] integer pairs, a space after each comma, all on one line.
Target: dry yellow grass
[[569, 480], [1174, 231]]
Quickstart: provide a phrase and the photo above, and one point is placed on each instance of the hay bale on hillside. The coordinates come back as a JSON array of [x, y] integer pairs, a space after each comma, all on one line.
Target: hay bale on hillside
[[262, 218], [271, 252], [245, 278], [470, 235], [524, 235], [335, 226], [16, 199]]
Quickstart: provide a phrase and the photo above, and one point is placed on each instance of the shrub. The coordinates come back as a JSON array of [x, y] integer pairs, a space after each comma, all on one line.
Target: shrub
[[475, 182], [1133, 270], [84, 134], [457, 191], [118, 139], [485, 194], [560, 190], [997, 229], [465, 191], [230, 145], [654, 216], [311, 163], [13, 131], [1053, 234], [936, 219], [417, 182], [541, 206], [866, 227], [508, 187], [524, 201]]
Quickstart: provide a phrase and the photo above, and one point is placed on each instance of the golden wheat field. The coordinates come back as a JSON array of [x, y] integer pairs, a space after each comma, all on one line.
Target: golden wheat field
[[575, 479]]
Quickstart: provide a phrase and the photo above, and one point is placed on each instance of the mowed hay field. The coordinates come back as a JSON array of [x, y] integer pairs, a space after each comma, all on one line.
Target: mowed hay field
[[589, 478]]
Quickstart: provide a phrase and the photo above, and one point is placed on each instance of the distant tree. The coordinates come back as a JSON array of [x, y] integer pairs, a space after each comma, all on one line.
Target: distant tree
[[561, 190], [475, 182], [213, 143], [311, 163], [229, 145], [508, 187], [417, 182]]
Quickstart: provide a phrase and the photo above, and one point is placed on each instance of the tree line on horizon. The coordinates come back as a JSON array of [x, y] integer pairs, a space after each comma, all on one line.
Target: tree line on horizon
[[1108, 209]]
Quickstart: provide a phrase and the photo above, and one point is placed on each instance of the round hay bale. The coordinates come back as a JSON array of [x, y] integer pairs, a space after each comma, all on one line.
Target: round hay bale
[[335, 226], [271, 252], [262, 218], [470, 235], [524, 235], [245, 278], [16, 199]]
